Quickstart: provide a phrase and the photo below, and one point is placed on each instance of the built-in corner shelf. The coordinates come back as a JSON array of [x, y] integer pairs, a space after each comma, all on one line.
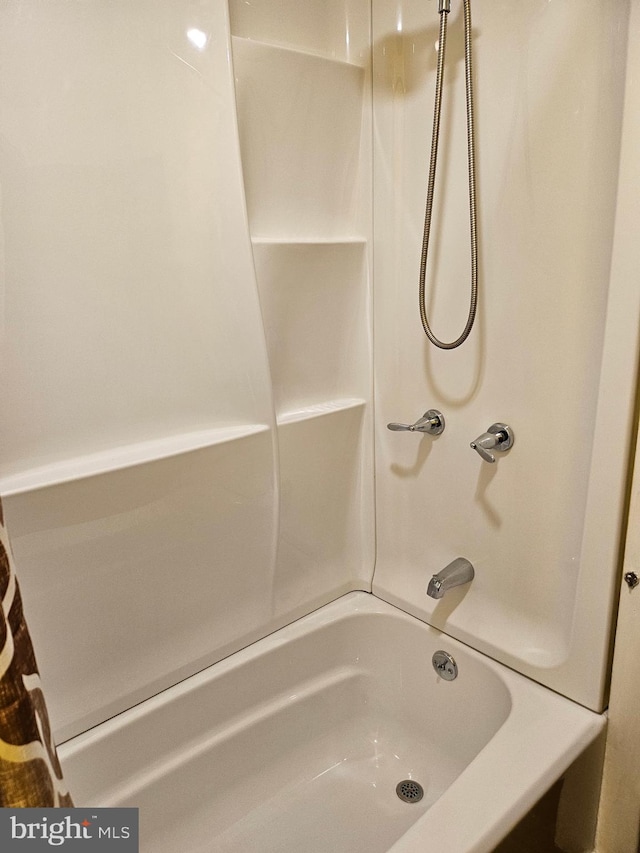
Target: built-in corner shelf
[[314, 298], [300, 122], [315, 242], [120, 458], [340, 32], [240, 43], [304, 136], [318, 410]]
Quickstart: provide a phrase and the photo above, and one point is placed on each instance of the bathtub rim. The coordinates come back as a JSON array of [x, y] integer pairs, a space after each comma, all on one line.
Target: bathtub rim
[[546, 731]]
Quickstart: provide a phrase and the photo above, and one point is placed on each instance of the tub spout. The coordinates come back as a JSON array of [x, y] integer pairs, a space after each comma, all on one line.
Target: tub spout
[[456, 573]]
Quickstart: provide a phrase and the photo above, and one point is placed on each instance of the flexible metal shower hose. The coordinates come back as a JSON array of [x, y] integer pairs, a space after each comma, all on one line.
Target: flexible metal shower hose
[[432, 176]]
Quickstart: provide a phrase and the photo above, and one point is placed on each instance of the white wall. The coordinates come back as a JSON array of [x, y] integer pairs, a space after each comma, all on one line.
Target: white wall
[[304, 118], [618, 829], [553, 352], [187, 394], [179, 476]]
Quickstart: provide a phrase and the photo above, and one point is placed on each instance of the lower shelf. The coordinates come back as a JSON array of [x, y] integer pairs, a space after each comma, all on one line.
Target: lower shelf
[[118, 458], [325, 503], [318, 410], [138, 577]]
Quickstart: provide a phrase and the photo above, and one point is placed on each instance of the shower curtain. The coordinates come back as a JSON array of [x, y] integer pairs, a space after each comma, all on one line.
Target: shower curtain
[[30, 773]]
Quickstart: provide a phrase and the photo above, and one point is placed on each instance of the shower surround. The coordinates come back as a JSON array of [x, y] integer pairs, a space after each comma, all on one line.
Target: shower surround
[[197, 205], [187, 462], [553, 353]]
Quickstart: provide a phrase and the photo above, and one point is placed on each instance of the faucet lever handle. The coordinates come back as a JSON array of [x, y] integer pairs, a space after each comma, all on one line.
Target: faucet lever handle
[[499, 437], [432, 423], [483, 445]]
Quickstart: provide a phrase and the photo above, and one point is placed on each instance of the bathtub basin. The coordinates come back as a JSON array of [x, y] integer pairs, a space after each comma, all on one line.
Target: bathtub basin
[[299, 741]]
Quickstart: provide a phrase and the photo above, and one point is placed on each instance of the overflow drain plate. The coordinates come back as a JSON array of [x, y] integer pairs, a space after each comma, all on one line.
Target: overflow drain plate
[[445, 665], [410, 791]]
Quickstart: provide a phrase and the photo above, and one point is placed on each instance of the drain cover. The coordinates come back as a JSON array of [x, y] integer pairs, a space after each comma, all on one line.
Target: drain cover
[[410, 791], [445, 665]]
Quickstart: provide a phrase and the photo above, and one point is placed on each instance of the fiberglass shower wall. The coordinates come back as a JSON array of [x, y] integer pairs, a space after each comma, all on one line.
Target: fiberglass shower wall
[[304, 119], [167, 501], [553, 352]]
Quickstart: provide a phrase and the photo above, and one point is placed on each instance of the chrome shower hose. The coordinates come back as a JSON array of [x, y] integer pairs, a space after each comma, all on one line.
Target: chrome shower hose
[[432, 177]]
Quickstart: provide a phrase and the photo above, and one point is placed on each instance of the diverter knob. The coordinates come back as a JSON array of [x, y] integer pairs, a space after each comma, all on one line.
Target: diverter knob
[[499, 437]]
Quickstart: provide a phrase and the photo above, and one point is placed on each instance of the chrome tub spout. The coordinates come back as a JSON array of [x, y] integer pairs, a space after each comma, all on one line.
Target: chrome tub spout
[[455, 574]]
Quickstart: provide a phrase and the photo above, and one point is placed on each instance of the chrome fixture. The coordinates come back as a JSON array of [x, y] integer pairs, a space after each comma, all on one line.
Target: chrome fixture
[[444, 665], [432, 422], [443, 9], [632, 580], [410, 791], [455, 574], [498, 437]]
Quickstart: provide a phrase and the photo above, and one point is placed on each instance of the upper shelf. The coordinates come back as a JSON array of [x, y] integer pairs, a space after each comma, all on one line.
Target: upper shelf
[[336, 29], [300, 119], [317, 242], [271, 44]]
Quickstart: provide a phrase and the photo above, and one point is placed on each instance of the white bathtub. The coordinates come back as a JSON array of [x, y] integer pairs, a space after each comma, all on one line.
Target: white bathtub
[[297, 743]]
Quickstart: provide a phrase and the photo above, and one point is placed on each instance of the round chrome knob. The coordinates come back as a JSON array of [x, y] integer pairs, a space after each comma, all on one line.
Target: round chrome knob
[[499, 437]]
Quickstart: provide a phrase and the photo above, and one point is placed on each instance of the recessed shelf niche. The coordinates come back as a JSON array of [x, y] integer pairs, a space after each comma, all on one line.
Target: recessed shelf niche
[[314, 307], [330, 28], [300, 123], [306, 154], [323, 506]]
